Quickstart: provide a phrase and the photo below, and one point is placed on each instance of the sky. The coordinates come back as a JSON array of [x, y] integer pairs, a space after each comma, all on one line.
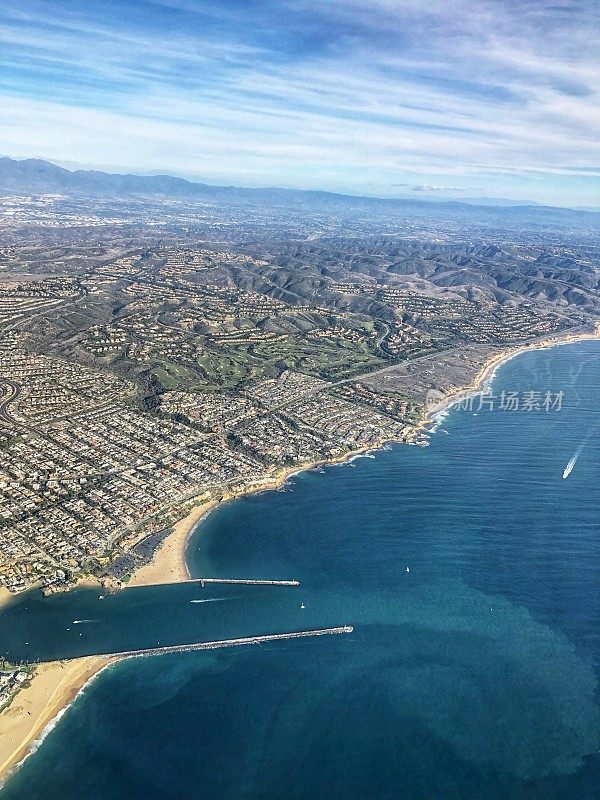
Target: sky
[[418, 98]]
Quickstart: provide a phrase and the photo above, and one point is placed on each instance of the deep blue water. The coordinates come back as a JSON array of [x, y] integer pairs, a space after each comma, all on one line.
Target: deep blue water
[[474, 676]]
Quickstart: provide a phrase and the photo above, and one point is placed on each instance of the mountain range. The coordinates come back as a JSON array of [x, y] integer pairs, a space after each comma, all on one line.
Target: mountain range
[[37, 176]]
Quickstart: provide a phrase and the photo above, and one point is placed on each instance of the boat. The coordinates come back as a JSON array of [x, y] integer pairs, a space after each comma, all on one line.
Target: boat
[[569, 468], [302, 605]]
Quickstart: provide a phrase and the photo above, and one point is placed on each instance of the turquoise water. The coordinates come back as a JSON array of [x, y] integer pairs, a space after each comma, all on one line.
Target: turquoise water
[[472, 676]]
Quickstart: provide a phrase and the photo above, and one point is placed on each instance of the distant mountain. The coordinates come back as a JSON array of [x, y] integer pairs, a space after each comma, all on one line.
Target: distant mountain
[[36, 176], [496, 201]]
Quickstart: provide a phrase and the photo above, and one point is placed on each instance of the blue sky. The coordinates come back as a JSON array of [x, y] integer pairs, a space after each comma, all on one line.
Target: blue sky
[[445, 98]]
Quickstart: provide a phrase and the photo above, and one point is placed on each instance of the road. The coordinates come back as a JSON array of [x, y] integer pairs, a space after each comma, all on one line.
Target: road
[[9, 391]]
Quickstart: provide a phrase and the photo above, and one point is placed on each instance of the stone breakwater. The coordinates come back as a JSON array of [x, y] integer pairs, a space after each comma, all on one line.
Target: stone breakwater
[[188, 648]]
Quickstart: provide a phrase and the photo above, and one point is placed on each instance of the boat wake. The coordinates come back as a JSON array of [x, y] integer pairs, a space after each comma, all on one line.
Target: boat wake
[[210, 600], [569, 468], [83, 621]]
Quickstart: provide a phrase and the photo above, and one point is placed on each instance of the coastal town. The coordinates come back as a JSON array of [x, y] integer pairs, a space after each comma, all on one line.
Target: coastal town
[[11, 681], [86, 477], [299, 400], [139, 383], [142, 383]]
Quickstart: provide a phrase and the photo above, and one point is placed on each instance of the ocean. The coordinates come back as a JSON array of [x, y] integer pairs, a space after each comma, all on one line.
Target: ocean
[[470, 570]]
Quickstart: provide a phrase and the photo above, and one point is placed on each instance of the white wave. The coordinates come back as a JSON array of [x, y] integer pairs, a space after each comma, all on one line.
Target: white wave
[[438, 418], [354, 458], [49, 727], [296, 473]]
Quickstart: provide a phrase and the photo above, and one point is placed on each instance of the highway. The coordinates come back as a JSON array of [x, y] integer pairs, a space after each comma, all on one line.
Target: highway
[[9, 391]]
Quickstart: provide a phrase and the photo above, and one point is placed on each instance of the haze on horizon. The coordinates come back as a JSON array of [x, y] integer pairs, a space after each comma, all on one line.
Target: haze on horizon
[[450, 99]]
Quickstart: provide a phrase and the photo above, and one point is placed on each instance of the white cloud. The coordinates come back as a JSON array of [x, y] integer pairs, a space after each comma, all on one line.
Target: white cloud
[[468, 88]]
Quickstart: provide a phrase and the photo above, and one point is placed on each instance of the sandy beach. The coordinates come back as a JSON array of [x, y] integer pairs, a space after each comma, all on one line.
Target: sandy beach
[[168, 564], [5, 596], [489, 368], [54, 687]]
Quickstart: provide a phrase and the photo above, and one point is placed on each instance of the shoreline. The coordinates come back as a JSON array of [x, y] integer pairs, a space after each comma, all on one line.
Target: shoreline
[[6, 597], [64, 683], [34, 711], [488, 372], [63, 687], [169, 563]]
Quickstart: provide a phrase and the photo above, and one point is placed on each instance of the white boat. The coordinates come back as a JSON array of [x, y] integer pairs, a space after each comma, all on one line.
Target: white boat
[[302, 605], [569, 468]]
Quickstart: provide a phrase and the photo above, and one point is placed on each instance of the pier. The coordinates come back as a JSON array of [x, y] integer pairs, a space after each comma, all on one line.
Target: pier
[[189, 648], [246, 581]]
